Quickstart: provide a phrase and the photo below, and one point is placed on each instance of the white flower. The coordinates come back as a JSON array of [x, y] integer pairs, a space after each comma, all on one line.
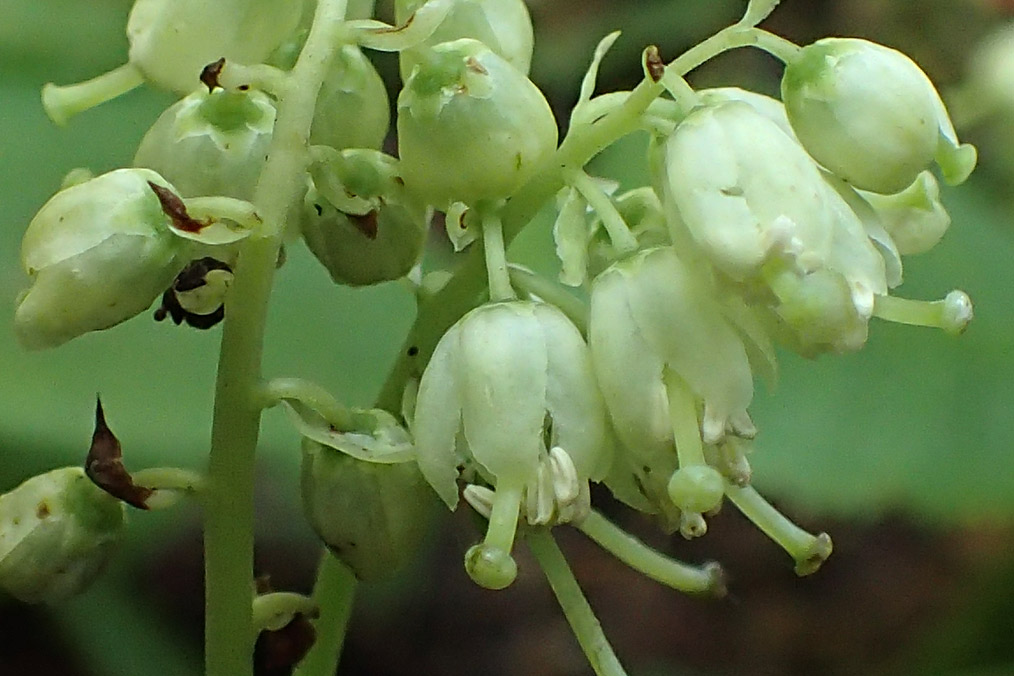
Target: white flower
[[508, 385]]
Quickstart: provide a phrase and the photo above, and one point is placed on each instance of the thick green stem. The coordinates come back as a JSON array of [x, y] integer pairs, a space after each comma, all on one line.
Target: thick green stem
[[228, 526], [575, 606], [333, 594]]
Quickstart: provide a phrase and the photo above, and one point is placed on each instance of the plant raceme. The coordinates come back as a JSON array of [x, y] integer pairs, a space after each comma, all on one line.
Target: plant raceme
[[764, 223]]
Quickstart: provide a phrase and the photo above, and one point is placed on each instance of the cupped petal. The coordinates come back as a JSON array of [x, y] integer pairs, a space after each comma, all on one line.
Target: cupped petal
[[438, 419]]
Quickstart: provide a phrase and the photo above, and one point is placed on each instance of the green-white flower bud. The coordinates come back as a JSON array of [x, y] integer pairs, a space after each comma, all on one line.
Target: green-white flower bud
[[372, 516], [502, 25], [464, 108], [98, 253], [915, 218], [211, 143], [57, 530], [745, 190], [359, 221], [352, 108], [513, 380], [172, 40], [870, 115]]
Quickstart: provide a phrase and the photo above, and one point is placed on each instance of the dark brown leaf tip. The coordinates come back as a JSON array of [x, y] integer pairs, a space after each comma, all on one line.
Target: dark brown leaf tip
[[653, 63], [174, 208], [104, 465], [211, 73]]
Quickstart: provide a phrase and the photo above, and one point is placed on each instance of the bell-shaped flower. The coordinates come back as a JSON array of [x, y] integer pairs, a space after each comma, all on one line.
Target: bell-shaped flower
[[97, 253], [510, 391], [744, 190], [466, 107], [502, 25], [211, 143], [662, 350], [57, 530], [870, 115]]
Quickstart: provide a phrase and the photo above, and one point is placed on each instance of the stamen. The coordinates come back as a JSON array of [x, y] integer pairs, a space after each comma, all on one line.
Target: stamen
[[566, 485], [809, 551], [951, 314], [479, 498], [64, 102], [707, 579]]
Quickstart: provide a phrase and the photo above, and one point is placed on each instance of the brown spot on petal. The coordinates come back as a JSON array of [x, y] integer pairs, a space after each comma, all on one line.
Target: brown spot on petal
[[174, 208], [366, 224], [104, 465], [211, 73], [653, 63], [42, 510]]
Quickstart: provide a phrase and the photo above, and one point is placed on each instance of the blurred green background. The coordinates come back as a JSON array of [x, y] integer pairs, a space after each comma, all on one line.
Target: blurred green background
[[901, 452]]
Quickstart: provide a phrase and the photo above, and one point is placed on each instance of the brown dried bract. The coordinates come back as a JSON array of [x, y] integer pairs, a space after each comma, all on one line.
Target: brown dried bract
[[276, 653], [211, 73], [174, 208], [104, 465], [653, 63]]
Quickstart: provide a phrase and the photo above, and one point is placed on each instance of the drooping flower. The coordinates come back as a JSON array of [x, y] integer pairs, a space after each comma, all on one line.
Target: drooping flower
[[509, 391]]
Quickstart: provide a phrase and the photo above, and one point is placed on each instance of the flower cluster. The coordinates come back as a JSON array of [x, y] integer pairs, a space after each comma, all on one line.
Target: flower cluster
[[765, 223]]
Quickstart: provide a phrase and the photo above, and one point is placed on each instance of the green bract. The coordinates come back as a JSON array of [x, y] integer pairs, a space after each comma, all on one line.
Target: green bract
[[372, 516], [57, 531], [502, 25], [211, 143], [359, 221], [870, 115], [352, 107], [466, 107], [745, 190], [172, 40], [98, 253]]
